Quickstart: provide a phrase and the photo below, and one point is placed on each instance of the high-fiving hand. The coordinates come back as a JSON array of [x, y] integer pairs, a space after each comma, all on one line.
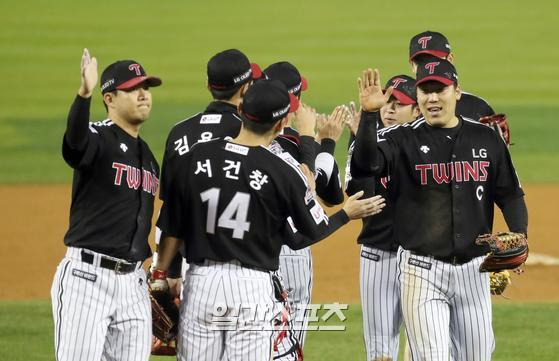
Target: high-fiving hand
[[371, 96], [88, 74]]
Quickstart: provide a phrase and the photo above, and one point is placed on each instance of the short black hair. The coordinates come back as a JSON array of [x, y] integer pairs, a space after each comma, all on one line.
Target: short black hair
[[224, 94], [259, 128]]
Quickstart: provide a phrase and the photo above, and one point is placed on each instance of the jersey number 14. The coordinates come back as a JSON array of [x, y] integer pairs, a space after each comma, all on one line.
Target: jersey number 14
[[234, 216]]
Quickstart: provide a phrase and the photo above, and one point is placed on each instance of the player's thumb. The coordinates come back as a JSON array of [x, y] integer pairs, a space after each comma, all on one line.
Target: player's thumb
[[388, 92], [356, 195]]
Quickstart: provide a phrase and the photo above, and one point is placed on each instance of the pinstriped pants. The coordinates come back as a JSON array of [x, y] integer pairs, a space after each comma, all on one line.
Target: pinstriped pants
[[296, 270], [99, 314], [380, 300], [446, 308], [226, 313]]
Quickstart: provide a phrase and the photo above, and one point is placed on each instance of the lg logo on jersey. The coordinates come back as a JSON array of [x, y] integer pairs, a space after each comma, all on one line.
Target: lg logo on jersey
[[482, 153]]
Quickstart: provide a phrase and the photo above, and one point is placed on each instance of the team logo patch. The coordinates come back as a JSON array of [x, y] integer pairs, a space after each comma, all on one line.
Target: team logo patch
[[210, 119], [371, 256], [431, 66], [235, 148], [317, 213], [85, 275], [419, 263]]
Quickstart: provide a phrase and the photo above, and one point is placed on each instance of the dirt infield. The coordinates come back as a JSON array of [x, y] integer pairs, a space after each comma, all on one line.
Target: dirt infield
[[34, 218]]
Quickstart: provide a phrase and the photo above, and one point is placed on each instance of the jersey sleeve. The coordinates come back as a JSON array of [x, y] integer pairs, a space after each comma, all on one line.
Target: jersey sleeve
[[307, 214], [366, 159], [507, 185], [307, 151], [173, 213], [81, 141], [166, 164], [356, 184], [328, 184]]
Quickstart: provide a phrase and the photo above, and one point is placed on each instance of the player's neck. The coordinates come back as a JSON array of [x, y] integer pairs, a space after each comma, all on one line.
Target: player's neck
[[251, 139], [233, 101], [130, 128], [452, 122]]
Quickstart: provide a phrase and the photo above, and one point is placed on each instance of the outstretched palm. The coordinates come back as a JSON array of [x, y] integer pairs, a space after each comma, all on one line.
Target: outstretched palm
[[371, 96], [88, 74]]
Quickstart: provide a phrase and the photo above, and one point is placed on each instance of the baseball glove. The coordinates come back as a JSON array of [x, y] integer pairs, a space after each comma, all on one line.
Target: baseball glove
[[499, 123], [509, 250], [165, 317], [498, 282]]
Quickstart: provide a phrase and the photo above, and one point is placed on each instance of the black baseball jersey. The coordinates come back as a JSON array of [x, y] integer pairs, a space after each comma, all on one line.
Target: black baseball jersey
[[443, 182], [473, 107], [377, 230], [114, 185], [320, 155], [230, 202], [219, 120]]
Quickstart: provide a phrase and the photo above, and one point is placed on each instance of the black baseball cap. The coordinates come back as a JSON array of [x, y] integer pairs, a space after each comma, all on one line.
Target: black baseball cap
[[231, 68], [440, 70], [429, 42], [268, 101], [125, 74], [404, 89], [288, 74]]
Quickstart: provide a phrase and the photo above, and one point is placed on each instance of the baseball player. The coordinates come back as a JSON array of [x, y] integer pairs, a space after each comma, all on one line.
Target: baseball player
[[446, 174], [99, 295], [228, 200], [229, 73], [380, 292], [295, 266], [429, 44]]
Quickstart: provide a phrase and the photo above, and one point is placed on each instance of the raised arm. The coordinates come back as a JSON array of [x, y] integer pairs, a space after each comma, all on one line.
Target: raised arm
[[329, 131], [367, 160], [78, 118], [309, 218]]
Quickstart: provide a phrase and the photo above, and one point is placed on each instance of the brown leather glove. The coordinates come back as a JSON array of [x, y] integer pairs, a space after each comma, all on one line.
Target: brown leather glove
[[509, 250]]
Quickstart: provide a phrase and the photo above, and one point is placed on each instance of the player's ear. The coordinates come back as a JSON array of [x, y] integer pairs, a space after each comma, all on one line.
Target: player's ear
[[458, 91], [413, 65], [108, 98], [244, 88], [280, 125], [450, 57], [416, 112]]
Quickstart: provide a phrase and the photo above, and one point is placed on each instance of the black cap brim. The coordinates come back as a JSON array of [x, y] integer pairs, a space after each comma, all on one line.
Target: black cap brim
[[402, 97], [437, 78]]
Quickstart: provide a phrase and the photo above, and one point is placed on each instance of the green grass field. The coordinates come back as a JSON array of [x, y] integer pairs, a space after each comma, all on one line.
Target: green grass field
[[503, 52], [523, 332]]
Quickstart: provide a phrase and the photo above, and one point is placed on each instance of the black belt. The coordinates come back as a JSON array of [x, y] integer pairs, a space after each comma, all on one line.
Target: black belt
[[121, 267], [453, 260]]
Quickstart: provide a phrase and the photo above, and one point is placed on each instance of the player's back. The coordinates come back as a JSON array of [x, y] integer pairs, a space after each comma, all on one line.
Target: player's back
[[473, 107], [237, 199], [220, 119]]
